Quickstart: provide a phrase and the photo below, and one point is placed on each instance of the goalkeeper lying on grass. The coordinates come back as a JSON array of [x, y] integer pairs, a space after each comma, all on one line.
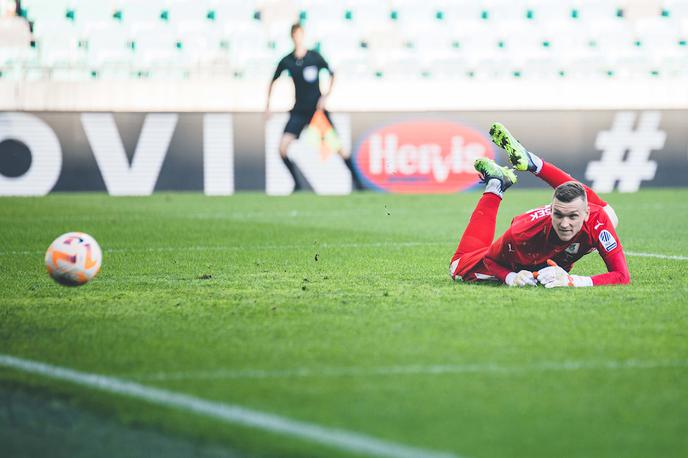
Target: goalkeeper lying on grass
[[541, 245]]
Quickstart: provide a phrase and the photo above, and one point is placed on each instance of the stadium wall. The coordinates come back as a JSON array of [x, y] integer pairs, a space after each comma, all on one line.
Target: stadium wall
[[349, 95], [220, 153]]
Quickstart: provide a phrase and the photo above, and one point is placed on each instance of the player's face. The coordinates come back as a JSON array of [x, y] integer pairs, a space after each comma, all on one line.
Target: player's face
[[568, 217], [297, 37]]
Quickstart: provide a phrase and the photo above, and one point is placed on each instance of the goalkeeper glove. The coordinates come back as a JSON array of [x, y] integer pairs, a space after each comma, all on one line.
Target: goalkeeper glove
[[554, 277], [522, 278]]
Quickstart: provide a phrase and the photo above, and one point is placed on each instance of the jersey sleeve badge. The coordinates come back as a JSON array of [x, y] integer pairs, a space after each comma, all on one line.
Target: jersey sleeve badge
[[607, 240]]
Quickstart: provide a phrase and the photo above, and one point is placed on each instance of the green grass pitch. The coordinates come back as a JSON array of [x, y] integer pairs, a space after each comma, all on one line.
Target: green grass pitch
[[338, 311]]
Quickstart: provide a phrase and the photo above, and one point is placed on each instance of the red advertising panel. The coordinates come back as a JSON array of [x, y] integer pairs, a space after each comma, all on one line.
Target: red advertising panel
[[423, 156]]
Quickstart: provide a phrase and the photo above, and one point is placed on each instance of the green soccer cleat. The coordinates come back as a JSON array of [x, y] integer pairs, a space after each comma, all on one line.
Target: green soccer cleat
[[518, 155], [489, 170]]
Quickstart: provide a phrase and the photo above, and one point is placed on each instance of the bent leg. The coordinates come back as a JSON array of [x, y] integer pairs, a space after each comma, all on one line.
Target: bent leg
[[523, 160], [346, 157], [285, 141], [481, 227], [477, 237]]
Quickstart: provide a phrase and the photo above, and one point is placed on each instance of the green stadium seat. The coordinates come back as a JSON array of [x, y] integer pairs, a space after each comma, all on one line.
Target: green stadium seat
[[403, 38], [50, 10]]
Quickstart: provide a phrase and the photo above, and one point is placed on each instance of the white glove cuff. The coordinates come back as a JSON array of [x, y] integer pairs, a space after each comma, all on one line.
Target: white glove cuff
[[581, 281]]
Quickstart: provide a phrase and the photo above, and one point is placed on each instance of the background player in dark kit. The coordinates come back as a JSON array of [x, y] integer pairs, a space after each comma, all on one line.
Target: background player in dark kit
[[304, 68]]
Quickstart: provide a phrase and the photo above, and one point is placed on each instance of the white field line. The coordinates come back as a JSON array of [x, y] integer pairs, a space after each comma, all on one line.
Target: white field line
[[228, 413], [485, 368], [312, 246], [654, 255]]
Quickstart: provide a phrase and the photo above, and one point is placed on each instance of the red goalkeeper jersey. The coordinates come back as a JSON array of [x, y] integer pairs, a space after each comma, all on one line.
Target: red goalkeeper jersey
[[531, 241]]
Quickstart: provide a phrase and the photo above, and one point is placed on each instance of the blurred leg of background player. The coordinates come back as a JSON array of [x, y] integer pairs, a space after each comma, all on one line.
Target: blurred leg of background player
[[285, 141], [479, 233], [523, 160], [292, 131], [346, 157]]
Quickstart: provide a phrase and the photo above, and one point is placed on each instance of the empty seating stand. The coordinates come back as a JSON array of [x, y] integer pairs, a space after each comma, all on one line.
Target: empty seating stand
[[493, 39]]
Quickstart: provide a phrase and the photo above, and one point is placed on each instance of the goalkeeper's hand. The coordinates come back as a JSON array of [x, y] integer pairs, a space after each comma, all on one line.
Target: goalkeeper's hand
[[554, 277], [522, 278]]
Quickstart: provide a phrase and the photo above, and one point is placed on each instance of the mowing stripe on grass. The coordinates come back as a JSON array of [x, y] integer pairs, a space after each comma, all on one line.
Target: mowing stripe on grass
[[312, 245], [486, 368], [338, 438], [165, 249]]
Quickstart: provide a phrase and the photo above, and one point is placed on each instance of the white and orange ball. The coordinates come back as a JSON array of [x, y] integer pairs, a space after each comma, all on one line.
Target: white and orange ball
[[73, 258]]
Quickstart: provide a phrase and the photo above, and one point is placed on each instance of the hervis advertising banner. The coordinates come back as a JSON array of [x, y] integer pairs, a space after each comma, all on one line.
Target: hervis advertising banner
[[222, 153]]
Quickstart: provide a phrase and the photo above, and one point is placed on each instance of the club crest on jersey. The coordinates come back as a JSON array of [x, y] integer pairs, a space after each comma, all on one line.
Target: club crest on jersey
[[607, 240], [310, 73], [573, 248]]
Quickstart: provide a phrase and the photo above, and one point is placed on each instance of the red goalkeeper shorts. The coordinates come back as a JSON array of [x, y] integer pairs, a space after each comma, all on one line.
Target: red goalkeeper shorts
[[470, 267]]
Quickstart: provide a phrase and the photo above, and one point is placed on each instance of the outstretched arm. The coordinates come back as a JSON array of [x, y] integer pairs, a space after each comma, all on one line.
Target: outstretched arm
[[617, 271], [323, 98], [267, 101], [322, 64], [554, 276], [608, 246], [278, 71], [496, 268], [502, 272]]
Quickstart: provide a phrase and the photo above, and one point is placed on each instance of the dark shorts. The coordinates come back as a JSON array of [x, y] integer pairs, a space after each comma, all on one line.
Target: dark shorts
[[299, 120]]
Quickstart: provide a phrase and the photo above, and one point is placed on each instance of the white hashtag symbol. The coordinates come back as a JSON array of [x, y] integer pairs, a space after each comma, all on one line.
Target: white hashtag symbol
[[615, 142]]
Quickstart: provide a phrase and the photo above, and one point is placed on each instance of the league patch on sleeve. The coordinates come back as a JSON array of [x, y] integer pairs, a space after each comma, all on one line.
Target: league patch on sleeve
[[607, 240]]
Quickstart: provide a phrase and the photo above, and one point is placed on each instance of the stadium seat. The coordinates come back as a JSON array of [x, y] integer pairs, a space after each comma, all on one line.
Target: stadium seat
[[202, 46], [457, 12], [184, 10], [50, 10], [148, 11], [370, 15], [316, 13], [594, 10], [156, 49], [341, 47], [236, 12], [86, 11], [410, 14], [109, 51], [59, 43], [505, 11], [249, 50], [544, 11], [392, 38], [674, 8]]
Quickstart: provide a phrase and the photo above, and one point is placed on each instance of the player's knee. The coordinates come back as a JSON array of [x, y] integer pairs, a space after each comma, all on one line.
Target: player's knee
[[283, 149], [453, 268], [612, 215]]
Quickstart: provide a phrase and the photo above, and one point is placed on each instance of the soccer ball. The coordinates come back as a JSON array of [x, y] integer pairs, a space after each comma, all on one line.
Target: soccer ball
[[73, 258]]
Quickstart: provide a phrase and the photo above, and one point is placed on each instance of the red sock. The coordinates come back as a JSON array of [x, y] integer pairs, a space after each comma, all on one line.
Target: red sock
[[555, 176], [481, 227]]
